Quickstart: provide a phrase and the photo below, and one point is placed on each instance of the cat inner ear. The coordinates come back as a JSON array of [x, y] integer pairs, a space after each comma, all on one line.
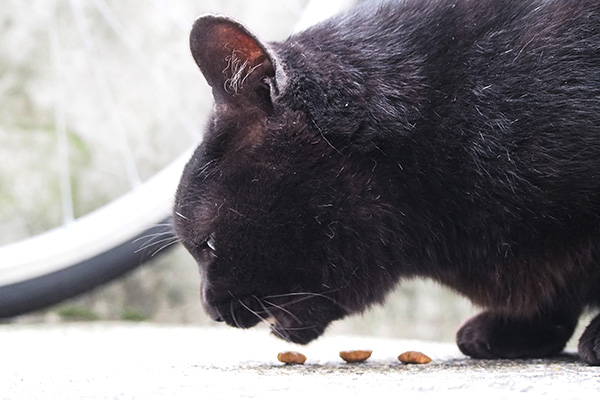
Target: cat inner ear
[[236, 64]]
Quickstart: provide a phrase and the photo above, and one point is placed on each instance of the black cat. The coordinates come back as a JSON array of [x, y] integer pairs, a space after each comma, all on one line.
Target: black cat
[[453, 140]]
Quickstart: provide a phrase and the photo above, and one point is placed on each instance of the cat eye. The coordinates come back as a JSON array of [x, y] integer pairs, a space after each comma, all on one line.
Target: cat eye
[[210, 243], [205, 251]]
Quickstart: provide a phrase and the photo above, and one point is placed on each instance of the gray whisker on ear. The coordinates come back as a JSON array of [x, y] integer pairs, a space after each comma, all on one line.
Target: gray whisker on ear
[[202, 171], [180, 215], [240, 71]]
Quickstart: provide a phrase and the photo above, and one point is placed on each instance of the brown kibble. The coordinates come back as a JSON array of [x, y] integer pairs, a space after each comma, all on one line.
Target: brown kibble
[[414, 357], [291, 357], [355, 355]]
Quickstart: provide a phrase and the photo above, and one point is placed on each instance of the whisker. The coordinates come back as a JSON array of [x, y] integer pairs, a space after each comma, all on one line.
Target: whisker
[[152, 236], [263, 320], [262, 305], [169, 224], [153, 243], [162, 230], [253, 312], [274, 296], [307, 296], [274, 327], [282, 309], [301, 328], [307, 293], [181, 215], [232, 312], [177, 240]]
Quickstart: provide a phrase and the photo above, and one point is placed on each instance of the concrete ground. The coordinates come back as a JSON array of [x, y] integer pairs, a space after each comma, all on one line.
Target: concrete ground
[[144, 361]]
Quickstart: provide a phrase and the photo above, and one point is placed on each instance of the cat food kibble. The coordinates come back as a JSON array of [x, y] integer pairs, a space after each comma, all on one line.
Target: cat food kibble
[[291, 357], [355, 355], [414, 357]]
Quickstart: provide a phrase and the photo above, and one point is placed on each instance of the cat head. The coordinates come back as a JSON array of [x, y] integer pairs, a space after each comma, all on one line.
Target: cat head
[[271, 211]]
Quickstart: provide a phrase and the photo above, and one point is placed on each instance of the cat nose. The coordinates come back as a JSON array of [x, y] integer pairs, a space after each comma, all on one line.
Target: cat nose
[[214, 314], [211, 310]]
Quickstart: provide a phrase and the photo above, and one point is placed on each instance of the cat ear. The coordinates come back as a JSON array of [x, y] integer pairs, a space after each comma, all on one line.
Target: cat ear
[[236, 64]]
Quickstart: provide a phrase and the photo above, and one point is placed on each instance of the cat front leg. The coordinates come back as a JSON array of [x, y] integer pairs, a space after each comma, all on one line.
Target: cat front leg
[[589, 343], [494, 335]]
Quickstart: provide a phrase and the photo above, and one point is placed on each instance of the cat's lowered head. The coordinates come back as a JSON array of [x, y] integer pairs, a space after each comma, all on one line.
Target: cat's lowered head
[[452, 140]]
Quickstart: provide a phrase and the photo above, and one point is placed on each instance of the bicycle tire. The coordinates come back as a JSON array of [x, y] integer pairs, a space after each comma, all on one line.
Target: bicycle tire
[[43, 291], [30, 281]]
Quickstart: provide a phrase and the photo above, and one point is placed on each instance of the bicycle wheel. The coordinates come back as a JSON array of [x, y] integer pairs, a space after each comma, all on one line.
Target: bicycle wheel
[[95, 113]]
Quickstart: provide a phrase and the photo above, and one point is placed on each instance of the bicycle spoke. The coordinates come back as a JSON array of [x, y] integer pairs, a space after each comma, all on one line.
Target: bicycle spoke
[[168, 11], [294, 6], [158, 77], [105, 93], [66, 191]]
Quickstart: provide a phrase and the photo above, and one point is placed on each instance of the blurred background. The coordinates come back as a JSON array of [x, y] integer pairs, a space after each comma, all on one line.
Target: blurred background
[[96, 97]]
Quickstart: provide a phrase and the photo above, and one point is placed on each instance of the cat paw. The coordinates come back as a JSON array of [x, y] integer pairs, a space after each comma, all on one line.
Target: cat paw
[[589, 343], [489, 335], [474, 338]]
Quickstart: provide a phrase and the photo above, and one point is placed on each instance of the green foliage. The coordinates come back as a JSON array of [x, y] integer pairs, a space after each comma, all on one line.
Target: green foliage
[[133, 316], [75, 313]]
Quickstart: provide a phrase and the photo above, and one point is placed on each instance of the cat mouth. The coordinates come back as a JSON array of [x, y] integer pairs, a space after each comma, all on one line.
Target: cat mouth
[[290, 324]]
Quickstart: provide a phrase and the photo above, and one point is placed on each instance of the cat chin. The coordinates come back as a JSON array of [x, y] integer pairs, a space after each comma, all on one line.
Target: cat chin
[[301, 328], [298, 317], [297, 334], [282, 326]]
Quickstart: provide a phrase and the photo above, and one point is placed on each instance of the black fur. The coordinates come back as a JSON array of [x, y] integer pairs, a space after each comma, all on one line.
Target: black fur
[[453, 140]]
